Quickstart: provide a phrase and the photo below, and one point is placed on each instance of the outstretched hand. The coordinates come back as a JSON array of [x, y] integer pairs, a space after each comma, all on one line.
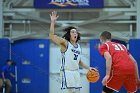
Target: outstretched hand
[[54, 16]]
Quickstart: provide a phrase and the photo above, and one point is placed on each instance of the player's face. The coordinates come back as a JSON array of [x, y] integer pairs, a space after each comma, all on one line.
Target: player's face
[[74, 35], [9, 63], [101, 39]]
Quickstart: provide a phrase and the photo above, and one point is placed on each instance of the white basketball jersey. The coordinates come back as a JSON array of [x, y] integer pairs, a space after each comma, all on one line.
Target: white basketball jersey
[[71, 58]]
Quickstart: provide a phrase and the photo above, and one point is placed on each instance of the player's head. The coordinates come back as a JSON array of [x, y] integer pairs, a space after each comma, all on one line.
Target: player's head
[[105, 36], [71, 34], [9, 62]]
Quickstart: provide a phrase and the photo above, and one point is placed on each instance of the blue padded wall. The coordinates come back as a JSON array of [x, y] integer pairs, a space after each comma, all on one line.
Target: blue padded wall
[[32, 57], [134, 49], [96, 60], [4, 51]]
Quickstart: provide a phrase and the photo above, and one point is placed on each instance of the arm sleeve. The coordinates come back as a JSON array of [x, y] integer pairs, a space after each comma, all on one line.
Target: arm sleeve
[[103, 49]]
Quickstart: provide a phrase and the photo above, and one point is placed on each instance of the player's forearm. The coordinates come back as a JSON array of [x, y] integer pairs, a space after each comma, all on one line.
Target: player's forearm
[[108, 62], [84, 66], [52, 28], [108, 66], [12, 75], [3, 77]]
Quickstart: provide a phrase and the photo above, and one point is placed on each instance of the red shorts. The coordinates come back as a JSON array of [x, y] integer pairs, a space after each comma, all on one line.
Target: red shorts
[[115, 82]]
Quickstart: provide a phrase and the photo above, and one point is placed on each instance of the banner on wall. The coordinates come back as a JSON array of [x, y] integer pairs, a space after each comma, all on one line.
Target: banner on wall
[[68, 3]]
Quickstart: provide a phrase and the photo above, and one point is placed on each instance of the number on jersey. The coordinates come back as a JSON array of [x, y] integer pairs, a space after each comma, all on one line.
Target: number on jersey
[[118, 47], [75, 57]]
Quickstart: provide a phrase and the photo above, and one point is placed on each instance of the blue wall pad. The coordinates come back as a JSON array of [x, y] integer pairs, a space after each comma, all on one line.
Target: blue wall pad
[[32, 58], [134, 49], [96, 60], [4, 51]]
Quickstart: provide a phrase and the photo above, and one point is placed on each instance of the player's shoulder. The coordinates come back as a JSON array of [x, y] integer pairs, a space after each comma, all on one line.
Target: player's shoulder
[[107, 45], [110, 42], [118, 43], [4, 67], [79, 44], [103, 46]]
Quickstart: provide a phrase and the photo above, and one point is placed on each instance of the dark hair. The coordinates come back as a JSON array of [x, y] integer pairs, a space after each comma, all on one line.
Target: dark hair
[[106, 35], [9, 60], [67, 34]]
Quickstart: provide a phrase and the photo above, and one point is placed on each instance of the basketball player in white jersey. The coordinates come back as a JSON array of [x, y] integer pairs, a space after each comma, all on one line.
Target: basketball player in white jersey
[[71, 56]]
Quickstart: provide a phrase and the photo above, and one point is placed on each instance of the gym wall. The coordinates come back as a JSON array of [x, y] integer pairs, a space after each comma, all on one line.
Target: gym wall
[[32, 58]]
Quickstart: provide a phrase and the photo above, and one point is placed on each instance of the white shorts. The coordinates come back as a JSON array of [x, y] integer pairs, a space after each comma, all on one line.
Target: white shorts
[[70, 91], [71, 79]]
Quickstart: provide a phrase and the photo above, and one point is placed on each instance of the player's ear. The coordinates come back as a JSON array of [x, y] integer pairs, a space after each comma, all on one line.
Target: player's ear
[[101, 39]]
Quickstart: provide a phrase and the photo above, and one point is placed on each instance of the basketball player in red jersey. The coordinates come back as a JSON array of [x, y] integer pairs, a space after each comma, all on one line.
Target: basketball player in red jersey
[[121, 67]]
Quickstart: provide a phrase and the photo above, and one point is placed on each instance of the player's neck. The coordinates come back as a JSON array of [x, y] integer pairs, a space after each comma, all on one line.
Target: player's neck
[[106, 41], [73, 43]]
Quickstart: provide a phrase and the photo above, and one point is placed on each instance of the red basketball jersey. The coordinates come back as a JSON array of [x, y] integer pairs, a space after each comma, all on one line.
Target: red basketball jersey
[[121, 62]]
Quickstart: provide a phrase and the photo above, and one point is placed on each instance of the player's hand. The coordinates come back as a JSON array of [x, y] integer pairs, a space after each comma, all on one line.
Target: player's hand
[[104, 81], [4, 80], [54, 16], [91, 68]]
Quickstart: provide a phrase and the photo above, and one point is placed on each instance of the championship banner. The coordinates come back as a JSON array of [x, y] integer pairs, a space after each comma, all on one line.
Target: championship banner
[[68, 3]]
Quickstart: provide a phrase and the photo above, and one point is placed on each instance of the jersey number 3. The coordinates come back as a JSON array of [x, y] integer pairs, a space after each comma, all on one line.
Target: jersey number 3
[[118, 47], [75, 57]]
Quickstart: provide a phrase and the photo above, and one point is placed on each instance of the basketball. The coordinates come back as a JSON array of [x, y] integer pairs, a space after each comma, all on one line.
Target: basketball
[[93, 75]]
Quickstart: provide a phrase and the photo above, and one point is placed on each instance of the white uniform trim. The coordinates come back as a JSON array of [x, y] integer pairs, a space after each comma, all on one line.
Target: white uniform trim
[[112, 88], [107, 46]]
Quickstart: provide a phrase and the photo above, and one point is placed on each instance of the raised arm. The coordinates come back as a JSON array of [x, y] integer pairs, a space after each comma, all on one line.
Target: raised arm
[[56, 39]]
